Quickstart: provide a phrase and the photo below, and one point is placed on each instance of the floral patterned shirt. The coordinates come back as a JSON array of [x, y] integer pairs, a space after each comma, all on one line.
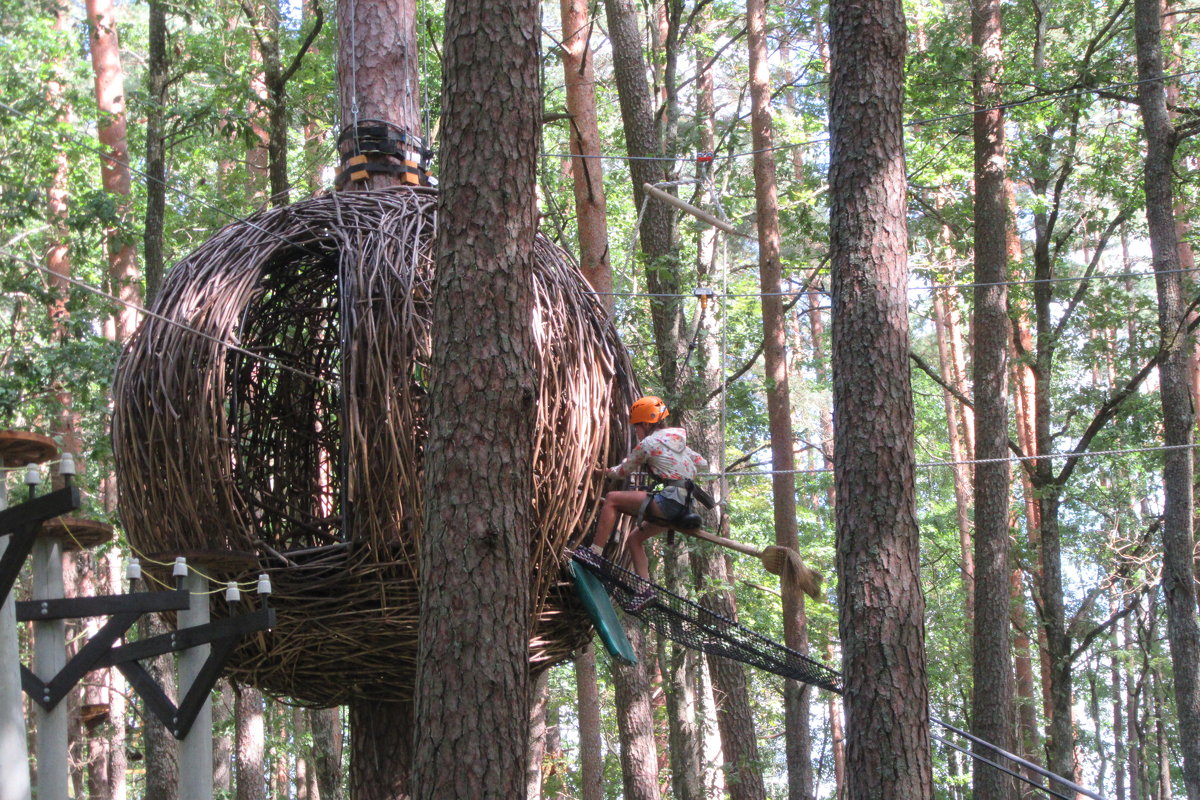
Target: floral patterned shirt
[[666, 453]]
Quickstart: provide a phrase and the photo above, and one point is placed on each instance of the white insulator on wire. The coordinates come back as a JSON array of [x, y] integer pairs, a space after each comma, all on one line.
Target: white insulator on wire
[[264, 584], [180, 568], [66, 465], [133, 571], [232, 593], [33, 475]]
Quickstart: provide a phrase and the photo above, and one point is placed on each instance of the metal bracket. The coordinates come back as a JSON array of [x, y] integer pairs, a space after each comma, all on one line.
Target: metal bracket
[[22, 521], [122, 610], [223, 635]]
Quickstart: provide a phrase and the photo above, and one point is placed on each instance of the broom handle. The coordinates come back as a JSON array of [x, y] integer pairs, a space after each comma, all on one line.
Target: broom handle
[[741, 547]]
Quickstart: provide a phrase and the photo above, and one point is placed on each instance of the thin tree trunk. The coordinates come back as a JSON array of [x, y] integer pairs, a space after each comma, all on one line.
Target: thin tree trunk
[[300, 778], [1118, 709], [743, 770], [1028, 734], [157, 66], [992, 696], [962, 482], [679, 665], [779, 414], [118, 691], [1178, 571], [114, 166], [635, 721], [278, 722], [537, 737], [326, 726], [643, 142], [591, 754], [251, 744], [837, 733], [160, 747], [224, 728], [1133, 683], [472, 685], [587, 170], [881, 609]]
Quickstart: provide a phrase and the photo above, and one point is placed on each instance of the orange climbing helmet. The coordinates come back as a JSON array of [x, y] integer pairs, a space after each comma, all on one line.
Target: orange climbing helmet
[[648, 409]]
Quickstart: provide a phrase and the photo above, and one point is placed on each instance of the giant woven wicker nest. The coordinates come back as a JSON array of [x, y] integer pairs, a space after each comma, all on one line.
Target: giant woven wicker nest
[[270, 417]]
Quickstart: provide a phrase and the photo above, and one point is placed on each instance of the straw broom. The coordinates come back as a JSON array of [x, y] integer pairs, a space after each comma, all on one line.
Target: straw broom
[[795, 575]]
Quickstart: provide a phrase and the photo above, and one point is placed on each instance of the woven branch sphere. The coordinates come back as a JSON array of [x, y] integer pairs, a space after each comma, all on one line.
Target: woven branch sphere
[[273, 405]]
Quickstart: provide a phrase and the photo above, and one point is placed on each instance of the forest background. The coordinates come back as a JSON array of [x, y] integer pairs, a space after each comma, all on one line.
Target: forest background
[[235, 108]]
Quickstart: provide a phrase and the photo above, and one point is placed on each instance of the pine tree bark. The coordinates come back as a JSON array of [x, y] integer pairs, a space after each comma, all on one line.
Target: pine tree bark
[[587, 170], [591, 754], [743, 770], [378, 74], [251, 744], [378, 79], [114, 166], [779, 410], [644, 143], [1178, 571], [881, 609], [326, 726], [992, 693], [157, 66], [160, 747], [472, 686]]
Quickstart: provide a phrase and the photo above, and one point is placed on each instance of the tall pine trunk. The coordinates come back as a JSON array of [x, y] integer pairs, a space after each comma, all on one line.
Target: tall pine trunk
[[881, 609], [250, 741], [591, 751], [326, 727], [779, 413], [587, 170], [587, 173], [992, 693], [472, 687], [1178, 571], [114, 166], [378, 79]]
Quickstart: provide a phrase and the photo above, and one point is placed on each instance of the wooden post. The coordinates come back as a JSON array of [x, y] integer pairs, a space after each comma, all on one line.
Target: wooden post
[[14, 755], [49, 657], [196, 749]]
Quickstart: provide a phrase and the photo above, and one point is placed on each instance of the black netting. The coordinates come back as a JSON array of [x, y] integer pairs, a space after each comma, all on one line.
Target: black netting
[[694, 626]]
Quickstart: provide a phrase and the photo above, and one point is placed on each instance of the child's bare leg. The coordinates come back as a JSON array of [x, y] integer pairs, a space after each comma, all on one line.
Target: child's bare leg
[[615, 503], [637, 548]]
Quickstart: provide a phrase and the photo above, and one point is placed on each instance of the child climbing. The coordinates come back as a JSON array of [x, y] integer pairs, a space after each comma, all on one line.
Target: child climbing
[[664, 454]]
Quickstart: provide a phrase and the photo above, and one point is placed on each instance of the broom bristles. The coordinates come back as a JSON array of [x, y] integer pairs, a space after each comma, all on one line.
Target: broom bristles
[[795, 574]]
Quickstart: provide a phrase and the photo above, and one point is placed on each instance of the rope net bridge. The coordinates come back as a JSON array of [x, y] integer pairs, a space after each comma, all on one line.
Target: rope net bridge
[[696, 627]]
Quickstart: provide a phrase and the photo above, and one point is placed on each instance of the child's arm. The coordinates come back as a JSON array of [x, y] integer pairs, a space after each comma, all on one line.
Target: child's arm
[[630, 465]]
